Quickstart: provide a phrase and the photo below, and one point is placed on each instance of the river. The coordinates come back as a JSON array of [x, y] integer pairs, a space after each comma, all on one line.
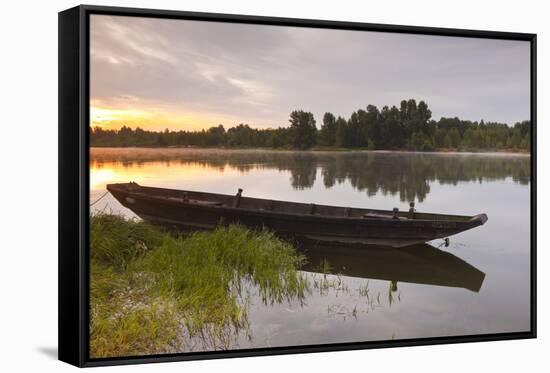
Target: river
[[479, 284]]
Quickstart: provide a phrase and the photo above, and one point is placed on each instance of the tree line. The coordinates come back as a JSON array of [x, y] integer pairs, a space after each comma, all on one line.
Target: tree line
[[408, 127]]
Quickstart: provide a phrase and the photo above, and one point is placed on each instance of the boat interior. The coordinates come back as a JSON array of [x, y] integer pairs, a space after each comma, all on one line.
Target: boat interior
[[238, 200]]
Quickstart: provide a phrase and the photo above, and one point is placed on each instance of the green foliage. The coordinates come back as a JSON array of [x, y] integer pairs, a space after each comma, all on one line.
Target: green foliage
[[440, 138], [372, 145], [147, 284], [454, 138], [341, 139], [302, 129], [116, 242], [409, 126], [421, 142], [327, 134]]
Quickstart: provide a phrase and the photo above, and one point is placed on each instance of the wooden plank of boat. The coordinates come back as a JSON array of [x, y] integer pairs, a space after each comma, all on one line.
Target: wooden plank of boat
[[190, 209]]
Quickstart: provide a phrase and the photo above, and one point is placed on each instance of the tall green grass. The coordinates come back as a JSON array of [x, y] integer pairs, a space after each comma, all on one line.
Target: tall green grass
[[151, 289]]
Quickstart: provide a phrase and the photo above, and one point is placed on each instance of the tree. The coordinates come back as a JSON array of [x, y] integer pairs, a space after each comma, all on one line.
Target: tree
[[423, 113], [341, 133], [454, 137], [419, 141], [216, 136], [327, 134], [371, 145], [356, 130], [514, 141], [161, 139], [303, 129], [392, 129], [468, 139], [524, 127], [440, 136], [526, 142], [374, 126], [240, 136], [448, 141]]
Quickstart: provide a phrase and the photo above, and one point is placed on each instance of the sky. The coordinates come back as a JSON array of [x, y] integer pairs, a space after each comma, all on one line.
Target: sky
[[179, 74]]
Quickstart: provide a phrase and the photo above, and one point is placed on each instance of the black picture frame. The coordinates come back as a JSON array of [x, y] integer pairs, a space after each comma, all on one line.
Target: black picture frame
[[74, 182]]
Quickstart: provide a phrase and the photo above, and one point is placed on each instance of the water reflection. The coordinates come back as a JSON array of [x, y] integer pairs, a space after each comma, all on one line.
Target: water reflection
[[419, 264], [404, 174], [437, 294]]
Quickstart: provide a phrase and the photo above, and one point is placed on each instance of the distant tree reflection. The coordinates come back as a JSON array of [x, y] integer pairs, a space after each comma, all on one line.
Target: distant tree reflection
[[408, 175]]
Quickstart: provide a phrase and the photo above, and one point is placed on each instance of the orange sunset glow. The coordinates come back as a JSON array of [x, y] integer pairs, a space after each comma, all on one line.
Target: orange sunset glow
[[150, 119]]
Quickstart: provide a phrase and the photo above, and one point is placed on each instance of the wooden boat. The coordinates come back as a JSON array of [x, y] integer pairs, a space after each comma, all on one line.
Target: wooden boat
[[200, 210], [418, 264]]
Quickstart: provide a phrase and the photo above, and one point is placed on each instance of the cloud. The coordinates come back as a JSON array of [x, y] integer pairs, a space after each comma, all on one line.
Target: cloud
[[257, 74]]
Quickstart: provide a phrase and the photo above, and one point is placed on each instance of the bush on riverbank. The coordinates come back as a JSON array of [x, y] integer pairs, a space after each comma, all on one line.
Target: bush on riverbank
[[152, 291]]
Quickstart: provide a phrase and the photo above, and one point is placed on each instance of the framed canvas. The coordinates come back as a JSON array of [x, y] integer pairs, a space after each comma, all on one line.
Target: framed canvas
[[236, 186]]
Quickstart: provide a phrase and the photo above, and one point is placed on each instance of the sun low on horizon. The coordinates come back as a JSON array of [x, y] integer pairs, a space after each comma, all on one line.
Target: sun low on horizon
[[151, 119]]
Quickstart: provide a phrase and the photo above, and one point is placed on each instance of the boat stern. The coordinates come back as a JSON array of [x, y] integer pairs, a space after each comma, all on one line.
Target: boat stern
[[478, 220]]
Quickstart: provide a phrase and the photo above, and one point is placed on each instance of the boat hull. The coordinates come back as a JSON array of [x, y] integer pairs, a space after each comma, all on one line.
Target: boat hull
[[181, 214]]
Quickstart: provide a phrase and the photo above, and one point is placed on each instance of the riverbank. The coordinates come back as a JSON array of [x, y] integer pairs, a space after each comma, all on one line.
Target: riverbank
[[153, 292], [448, 151], [434, 151]]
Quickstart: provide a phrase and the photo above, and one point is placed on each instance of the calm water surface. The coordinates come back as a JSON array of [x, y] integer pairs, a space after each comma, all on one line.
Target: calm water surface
[[479, 284]]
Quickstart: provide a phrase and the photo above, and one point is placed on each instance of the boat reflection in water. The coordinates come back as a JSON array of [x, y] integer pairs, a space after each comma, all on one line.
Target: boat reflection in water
[[419, 264]]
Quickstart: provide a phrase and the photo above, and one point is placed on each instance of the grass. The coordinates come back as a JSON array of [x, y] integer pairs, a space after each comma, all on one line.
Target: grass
[[155, 292]]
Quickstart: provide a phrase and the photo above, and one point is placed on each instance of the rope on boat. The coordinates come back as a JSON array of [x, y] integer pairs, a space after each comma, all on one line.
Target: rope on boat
[[97, 200]]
